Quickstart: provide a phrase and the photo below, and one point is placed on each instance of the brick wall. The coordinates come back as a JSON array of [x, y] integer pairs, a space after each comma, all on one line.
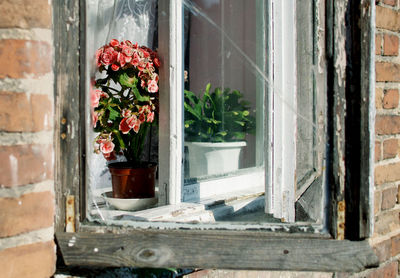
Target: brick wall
[[386, 239], [26, 139]]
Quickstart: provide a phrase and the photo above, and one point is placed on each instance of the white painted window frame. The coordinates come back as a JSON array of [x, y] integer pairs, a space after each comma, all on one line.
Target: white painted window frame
[[281, 183], [278, 180]]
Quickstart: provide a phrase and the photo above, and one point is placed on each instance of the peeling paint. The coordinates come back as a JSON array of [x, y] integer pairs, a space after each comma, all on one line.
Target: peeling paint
[[320, 39], [340, 41], [119, 226]]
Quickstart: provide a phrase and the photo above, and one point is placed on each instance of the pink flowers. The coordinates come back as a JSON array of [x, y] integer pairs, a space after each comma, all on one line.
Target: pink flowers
[[124, 54], [95, 98], [152, 86], [106, 147], [126, 101], [133, 121]]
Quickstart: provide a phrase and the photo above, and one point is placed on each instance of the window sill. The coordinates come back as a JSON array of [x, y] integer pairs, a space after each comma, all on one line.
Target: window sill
[[214, 249]]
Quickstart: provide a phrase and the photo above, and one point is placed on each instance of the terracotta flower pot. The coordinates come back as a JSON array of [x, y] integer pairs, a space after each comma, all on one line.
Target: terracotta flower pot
[[130, 181]]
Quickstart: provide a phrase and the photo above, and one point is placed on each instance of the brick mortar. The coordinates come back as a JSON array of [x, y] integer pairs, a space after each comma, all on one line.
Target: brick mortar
[[36, 34], [18, 191], [387, 85], [381, 238], [385, 186], [383, 5], [387, 112], [383, 212], [386, 137], [388, 161], [42, 85], [380, 31], [387, 59], [26, 138], [42, 235]]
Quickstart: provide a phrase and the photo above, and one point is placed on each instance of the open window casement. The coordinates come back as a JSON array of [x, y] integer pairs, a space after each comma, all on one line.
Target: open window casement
[[271, 62]]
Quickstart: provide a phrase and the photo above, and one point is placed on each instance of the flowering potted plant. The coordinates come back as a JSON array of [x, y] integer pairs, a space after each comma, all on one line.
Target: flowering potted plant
[[216, 124], [124, 103]]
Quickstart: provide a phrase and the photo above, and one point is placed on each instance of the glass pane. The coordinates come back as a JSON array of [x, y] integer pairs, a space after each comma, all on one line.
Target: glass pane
[[224, 91]]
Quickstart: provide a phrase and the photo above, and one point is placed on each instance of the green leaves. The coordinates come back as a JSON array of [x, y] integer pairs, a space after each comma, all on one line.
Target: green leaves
[[113, 114], [131, 82], [219, 116]]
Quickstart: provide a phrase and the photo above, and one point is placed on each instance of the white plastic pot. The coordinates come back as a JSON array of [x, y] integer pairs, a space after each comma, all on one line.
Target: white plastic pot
[[213, 158]]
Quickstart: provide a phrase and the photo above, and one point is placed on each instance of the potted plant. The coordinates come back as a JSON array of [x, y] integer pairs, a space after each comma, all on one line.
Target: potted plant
[[216, 125], [124, 101]]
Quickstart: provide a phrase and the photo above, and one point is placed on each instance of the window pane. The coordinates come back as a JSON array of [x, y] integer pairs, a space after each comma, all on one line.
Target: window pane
[[224, 91]]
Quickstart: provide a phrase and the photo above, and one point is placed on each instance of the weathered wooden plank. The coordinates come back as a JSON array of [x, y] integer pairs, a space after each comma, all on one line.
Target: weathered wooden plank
[[337, 64], [360, 113], [214, 249], [367, 119], [67, 106]]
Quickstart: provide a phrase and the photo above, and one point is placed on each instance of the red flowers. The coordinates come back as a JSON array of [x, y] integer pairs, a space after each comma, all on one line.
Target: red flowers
[[129, 123]]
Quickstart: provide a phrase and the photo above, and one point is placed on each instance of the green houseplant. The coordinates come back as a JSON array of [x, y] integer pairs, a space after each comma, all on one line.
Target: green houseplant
[[216, 125], [124, 102]]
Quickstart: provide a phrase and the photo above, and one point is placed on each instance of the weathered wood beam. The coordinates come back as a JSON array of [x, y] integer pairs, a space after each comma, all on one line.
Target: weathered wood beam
[[68, 106], [215, 249]]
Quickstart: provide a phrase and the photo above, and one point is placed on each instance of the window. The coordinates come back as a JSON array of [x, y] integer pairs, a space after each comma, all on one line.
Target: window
[[233, 62], [281, 183]]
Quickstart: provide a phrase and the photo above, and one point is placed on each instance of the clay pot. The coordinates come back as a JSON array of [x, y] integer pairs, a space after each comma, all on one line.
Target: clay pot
[[133, 181]]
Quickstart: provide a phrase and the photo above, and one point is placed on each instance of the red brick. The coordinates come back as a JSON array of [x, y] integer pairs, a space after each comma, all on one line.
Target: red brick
[[386, 222], [377, 150], [391, 99], [378, 44], [387, 72], [387, 173], [34, 260], [30, 212], [21, 58], [42, 111], [379, 98], [383, 250], [18, 114], [387, 125], [395, 245], [390, 148], [387, 18], [390, 2], [390, 45], [25, 164], [386, 271], [389, 198]]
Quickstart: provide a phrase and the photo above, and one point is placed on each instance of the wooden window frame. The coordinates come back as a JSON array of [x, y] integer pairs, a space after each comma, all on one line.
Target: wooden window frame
[[273, 247]]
